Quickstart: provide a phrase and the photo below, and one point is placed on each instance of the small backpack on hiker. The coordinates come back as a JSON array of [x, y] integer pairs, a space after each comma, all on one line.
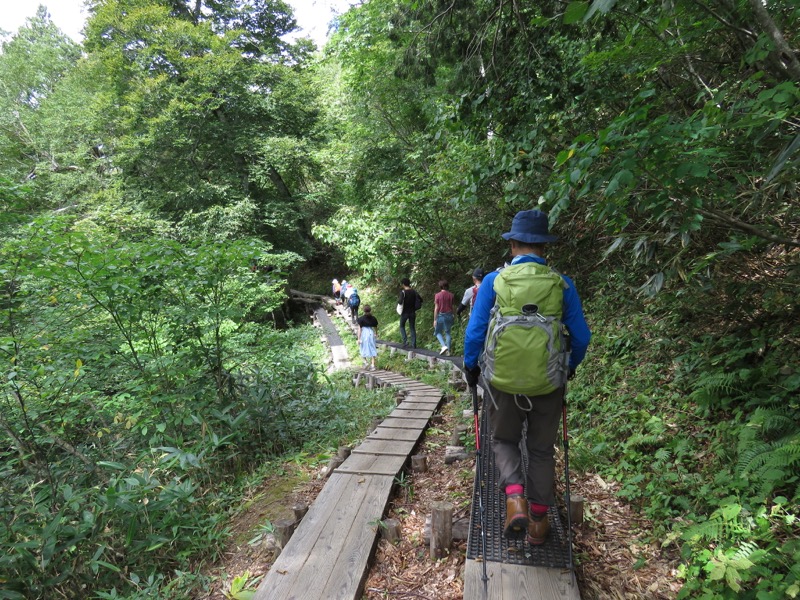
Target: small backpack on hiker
[[527, 346], [354, 300], [417, 302]]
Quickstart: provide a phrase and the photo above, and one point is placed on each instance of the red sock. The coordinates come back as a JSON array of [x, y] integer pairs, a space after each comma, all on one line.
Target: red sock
[[515, 489], [538, 510]]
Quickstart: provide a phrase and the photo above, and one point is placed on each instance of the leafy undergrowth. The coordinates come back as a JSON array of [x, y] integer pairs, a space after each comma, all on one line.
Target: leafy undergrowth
[[247, 555]]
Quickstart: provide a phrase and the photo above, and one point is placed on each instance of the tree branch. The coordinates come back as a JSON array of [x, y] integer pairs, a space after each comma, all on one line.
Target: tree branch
[[747, 227], [789, 59]]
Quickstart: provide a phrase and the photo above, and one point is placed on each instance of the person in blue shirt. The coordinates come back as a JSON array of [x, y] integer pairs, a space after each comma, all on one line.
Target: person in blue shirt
[[528, 238]]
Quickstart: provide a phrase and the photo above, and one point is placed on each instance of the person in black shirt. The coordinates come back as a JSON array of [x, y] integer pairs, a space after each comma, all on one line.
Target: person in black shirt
[[408, 299]]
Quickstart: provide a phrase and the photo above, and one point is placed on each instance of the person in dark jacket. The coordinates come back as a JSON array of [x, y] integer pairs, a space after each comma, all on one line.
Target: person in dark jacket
[[509, 412], [408, 299]]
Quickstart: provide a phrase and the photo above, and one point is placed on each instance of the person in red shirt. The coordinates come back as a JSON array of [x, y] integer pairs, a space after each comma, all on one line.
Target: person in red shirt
[[443, 316]]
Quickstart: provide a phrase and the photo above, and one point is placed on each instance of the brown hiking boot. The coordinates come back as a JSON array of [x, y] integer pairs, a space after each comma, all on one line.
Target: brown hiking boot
[[516, 516], [538, 529]]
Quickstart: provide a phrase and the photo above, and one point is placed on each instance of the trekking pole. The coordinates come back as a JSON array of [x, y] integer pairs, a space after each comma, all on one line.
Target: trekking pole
[[566, 477], [479, 473]]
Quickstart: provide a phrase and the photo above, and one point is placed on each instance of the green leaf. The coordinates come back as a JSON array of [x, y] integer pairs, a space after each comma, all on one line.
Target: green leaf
[[733, 578], [111, 465], [575, 12], [625, 177], [716, 570]]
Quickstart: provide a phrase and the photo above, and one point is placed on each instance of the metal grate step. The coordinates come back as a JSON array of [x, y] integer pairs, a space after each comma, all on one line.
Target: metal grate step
[[553, 553]]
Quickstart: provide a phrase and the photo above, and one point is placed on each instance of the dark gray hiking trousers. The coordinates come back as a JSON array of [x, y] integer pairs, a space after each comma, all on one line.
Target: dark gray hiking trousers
[[507, 418]]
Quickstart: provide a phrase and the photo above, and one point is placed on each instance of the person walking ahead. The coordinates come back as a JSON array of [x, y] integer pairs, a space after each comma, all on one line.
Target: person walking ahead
[[367, 334], [528, 293], [468, 300], [408, 299], [443, 316]]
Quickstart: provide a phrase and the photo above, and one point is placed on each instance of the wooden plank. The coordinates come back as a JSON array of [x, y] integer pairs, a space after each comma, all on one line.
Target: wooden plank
[[392, 447], [412, 404], [387, 433], [424, 398], [510, 582], [332, 545], [421, 390], [412, 397], [289, 566], [372, 464], [344, 580], [392, 423], [409, 413]]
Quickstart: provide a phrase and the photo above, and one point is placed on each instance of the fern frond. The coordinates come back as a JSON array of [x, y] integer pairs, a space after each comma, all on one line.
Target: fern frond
[[712, 530], [788, 453], [771, 465], [643, 440], [745, 550], [662, 455], [723, 523], [753, 458], [772, 422], [717, 386]]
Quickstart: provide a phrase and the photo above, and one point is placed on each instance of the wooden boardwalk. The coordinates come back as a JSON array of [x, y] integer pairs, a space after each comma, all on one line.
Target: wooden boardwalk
[[338, 349], [512, 582], [328, 555]]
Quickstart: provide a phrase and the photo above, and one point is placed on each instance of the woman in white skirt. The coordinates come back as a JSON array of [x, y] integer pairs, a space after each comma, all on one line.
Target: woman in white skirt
[[367, 333]]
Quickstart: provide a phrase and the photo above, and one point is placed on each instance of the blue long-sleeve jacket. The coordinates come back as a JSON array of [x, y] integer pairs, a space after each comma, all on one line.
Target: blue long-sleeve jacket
[[572, 318]]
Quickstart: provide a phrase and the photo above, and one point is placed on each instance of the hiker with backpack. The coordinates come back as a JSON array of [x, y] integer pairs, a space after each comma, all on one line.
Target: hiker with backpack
[[468, 300], [443, 316], [527, 335], [353, 302], [408, 303]]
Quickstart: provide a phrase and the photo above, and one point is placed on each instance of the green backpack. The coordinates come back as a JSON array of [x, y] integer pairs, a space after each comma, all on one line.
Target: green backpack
[[526, 350]]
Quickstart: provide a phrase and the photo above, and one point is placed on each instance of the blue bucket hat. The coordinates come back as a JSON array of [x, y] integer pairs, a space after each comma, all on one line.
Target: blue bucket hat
[[530, 227]]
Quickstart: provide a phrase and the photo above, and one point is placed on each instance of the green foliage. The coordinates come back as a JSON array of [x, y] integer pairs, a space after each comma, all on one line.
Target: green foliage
[[457, 115], [699, 428], [212, 108], [129, 397], [32, 63], [243, 587], [14, 204], [769, 452], [738, 553]]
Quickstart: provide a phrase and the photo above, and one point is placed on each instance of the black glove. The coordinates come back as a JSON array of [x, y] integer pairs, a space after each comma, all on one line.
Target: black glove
[[571, 373], [472, 375]]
